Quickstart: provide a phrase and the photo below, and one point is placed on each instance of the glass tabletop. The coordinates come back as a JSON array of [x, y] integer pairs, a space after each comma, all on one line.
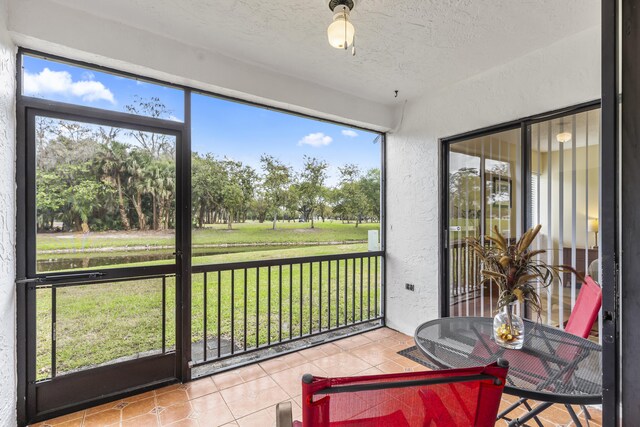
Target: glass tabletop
[[552, 366]]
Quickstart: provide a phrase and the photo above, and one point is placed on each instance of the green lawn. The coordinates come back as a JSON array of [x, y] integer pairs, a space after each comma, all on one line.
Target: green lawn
[[242, 233], [100, 323]]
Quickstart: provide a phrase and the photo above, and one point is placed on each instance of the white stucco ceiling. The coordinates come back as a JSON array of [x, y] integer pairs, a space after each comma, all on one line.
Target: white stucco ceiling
[[413, 46]]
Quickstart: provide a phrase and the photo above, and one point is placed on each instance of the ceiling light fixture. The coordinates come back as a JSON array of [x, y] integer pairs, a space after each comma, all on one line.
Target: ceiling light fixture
[[563, 137], [341, 32]]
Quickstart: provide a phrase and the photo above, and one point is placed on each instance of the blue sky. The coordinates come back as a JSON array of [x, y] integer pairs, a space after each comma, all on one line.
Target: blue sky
[[224, 128]]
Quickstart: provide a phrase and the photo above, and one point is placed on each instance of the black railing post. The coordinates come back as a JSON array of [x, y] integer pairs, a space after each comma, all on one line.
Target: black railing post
[[257, 307], [244, 315], [54, 320], [280, 303], [268, 305], [233, 309], [361, 285], [219, 305], [204, 312], [164, 318], [329, 295], [301, 274], [290, 301], [311, 297], [320, 296]]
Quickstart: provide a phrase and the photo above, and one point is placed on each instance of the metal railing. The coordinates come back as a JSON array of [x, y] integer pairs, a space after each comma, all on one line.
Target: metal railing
[[77, 315], [243, 307], [468, 297]]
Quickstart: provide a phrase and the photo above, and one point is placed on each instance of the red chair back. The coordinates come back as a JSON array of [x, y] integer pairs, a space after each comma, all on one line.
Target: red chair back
[[586, 310], [467, 397]]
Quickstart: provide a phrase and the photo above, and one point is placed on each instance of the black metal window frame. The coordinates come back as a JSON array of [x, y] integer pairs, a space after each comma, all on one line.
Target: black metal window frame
[[26, 276], [609, 202], [445, 143]]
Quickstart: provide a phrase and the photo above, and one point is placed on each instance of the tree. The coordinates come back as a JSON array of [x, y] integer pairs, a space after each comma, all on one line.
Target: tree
[[155, 143], [370, 187], [465, 193], [233, 196], [113, 163], [352, 202], [138, 183], [277, 179], [311, 182]]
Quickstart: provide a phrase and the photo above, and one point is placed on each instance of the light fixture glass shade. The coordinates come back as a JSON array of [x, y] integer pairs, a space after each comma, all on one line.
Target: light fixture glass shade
[[336, 32], [563, 137], [594, 225]]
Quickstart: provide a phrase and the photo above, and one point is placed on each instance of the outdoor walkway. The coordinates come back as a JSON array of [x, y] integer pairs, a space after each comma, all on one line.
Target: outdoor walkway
[[247, 396]]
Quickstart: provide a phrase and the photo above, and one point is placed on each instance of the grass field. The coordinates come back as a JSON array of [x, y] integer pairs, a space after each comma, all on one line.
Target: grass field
[[100, 323], [218, 234]]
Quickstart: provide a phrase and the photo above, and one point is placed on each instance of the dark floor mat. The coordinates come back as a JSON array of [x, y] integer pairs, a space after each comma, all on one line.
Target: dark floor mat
[[414, 353]]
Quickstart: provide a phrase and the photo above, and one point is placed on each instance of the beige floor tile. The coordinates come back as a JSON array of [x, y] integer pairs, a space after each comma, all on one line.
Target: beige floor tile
[[75, 417], [227, 379], [247, 396], [281, 363], [177, 412], [102, 418], [171, 398], [201, 387], [390, 367], [150, 420], [138, 408], [211, 410], [187, 422], [291, 379], [262, 418], [330, 349], [372, 353], [251, 372], [252, 396], [103, 407], [352, 342], [370, 371], [379, 334], [141, 396], [341, 364], [169, 388], [312, 353]]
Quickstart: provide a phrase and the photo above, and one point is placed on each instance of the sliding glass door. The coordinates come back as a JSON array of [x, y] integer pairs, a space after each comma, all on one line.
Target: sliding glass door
[[564, 199], [482, 181], [500, 180]]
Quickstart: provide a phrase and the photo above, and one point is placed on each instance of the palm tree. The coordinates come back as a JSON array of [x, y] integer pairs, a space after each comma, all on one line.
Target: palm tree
[[113, 163], [139, 183]]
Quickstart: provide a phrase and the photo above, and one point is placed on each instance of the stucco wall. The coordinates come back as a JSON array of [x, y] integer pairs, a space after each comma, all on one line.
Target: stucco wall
[[7, 225], [563, 74]]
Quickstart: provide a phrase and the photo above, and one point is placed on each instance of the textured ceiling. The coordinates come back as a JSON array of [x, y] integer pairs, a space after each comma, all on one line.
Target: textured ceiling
[[413, 46]]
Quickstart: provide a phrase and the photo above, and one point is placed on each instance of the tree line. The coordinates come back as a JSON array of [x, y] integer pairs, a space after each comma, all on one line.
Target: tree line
[[97, 178]]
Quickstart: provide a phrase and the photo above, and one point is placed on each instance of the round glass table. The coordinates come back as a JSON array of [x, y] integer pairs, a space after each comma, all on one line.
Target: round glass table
[[552, 366]]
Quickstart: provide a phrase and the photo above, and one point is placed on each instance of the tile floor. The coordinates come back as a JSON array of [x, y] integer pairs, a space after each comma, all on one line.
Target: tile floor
[[247, 396]]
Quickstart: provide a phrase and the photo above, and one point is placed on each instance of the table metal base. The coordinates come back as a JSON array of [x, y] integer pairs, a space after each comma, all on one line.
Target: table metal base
[[534, 412]]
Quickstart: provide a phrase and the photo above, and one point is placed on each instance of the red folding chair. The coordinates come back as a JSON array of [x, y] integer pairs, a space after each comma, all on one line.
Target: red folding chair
[[586, 310], [467, 397]]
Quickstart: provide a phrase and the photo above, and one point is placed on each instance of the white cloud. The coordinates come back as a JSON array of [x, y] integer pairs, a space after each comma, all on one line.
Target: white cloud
[[48, 82], [350, 133], [317, 139]]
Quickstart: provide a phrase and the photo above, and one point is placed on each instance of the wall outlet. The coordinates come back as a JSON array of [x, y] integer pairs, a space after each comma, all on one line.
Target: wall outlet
[[410, 287]]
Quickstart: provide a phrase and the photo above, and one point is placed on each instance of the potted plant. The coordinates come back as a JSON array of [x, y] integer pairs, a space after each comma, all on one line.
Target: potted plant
[[516, 269]]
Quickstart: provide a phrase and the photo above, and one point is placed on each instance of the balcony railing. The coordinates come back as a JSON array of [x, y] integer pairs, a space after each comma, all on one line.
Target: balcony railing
[[468, 297], [239, 308]]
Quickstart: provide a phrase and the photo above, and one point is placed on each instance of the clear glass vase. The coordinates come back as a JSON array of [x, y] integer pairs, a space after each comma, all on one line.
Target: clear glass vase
[[508, 328]]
